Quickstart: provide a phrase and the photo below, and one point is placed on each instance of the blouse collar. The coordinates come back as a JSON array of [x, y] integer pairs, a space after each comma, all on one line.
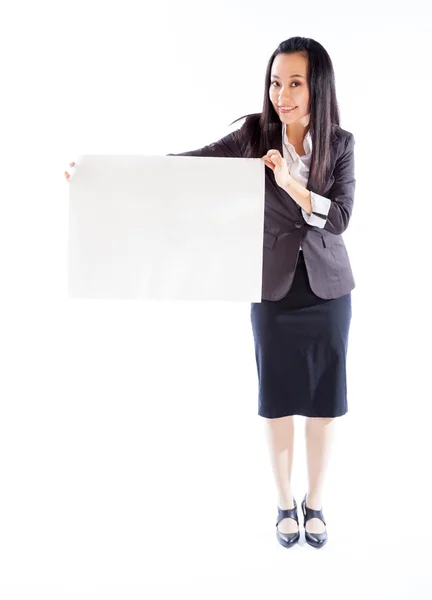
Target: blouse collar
[[307, 142]]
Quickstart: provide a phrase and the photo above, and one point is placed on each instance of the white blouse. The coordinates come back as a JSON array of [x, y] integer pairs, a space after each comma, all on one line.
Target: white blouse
[[299, 167]]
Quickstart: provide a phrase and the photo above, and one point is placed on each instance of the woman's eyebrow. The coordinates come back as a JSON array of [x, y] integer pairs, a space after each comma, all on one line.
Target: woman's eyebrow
[[295, 75]]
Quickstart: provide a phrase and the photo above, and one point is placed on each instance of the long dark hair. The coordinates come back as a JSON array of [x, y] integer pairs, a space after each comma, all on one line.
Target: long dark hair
[[254, 134]]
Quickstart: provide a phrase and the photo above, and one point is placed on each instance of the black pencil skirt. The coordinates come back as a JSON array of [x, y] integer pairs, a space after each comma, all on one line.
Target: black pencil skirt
[[301, 344]]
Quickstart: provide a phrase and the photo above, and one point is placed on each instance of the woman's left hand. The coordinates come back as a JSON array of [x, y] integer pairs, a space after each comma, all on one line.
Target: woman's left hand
[[277, 163]]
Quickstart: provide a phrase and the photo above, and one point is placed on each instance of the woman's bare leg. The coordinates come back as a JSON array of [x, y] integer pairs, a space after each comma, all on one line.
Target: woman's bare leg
[[319, 440], [280, 436]]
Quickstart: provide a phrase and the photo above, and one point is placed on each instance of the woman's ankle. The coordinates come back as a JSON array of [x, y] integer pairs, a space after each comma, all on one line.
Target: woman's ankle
[[286, 502]]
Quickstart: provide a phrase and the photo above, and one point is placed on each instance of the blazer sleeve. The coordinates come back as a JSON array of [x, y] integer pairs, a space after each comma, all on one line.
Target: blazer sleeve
[[333, 213], [342, 191], [226, 146]]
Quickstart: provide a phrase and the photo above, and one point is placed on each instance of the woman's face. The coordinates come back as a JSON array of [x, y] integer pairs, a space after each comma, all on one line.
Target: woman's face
[[289, 87]]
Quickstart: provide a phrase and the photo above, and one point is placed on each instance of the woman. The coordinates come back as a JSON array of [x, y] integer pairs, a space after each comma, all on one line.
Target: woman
[[301, 326]]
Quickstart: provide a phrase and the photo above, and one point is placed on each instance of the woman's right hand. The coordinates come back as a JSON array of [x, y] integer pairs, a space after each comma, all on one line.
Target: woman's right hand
[[68, 175]]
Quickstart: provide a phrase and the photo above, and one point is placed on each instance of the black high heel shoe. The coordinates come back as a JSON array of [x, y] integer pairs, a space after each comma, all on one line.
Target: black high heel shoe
[[287, 539], [317, 540]]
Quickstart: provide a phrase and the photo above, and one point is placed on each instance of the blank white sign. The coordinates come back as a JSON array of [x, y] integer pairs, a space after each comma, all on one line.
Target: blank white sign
[[166, 227]]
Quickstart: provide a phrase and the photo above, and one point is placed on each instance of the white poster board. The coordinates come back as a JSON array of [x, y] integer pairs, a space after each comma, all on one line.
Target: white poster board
[[166, 227]]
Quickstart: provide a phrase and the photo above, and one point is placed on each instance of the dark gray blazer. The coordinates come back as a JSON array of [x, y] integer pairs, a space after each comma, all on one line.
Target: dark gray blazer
[[285, 229]]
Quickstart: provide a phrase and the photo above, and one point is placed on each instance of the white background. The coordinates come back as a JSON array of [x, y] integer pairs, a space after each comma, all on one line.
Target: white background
[[133, 463]]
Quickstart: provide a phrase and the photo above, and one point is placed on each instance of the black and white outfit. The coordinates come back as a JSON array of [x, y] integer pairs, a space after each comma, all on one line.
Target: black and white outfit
[[301, 340]]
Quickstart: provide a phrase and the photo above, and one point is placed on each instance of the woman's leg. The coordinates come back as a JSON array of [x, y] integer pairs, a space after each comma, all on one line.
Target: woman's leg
[[280, 436], [319, 439]]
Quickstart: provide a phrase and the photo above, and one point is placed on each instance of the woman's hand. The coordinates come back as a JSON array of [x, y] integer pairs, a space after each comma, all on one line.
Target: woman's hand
[[278, 164], [68, 175]]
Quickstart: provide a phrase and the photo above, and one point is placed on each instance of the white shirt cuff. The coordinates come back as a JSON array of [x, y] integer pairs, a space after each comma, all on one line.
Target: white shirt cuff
[[320, 210]]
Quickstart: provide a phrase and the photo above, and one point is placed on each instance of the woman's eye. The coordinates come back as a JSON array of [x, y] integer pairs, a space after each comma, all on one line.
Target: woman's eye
[[292, 82]]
